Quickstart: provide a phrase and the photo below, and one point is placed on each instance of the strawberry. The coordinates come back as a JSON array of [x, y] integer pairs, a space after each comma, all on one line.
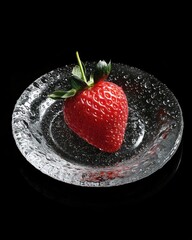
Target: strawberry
[[97, 109]]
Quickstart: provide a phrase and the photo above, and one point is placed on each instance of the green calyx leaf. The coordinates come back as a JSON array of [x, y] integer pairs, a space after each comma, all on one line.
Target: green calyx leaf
[[90, 83], [79, 81], [76, 72], [63, 94], [102, 70], [76, 84], [104, 67]]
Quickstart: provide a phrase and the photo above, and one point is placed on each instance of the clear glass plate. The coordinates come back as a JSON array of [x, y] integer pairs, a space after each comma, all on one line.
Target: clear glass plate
[[153, 134]]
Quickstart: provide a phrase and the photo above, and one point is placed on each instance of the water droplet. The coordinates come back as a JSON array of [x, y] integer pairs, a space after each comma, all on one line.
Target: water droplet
[[173, 125], [153, 102], [133, 141], [147, 85], [125, 76], [128, 82], [153, 95]]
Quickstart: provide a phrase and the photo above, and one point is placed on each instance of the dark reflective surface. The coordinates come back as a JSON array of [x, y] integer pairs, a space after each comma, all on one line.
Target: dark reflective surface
[[153, 207]]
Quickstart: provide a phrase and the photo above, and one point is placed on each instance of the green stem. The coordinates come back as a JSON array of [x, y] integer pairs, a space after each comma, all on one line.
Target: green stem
[[81, 68]]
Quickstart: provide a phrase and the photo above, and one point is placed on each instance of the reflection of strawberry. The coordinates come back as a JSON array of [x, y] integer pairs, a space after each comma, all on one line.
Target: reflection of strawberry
[[96, 111]]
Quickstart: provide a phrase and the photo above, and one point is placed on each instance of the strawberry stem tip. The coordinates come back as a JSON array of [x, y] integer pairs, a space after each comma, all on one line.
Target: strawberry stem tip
[[81, 68], [79, 81]]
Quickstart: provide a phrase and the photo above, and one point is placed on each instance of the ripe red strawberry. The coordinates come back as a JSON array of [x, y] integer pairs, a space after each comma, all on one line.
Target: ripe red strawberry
[[97, 112]]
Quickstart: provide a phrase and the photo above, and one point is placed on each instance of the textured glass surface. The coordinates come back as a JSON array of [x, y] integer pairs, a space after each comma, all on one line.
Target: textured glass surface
[[153, 134]]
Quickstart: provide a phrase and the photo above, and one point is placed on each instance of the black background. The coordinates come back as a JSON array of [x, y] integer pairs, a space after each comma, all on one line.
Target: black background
[[159, 205]]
